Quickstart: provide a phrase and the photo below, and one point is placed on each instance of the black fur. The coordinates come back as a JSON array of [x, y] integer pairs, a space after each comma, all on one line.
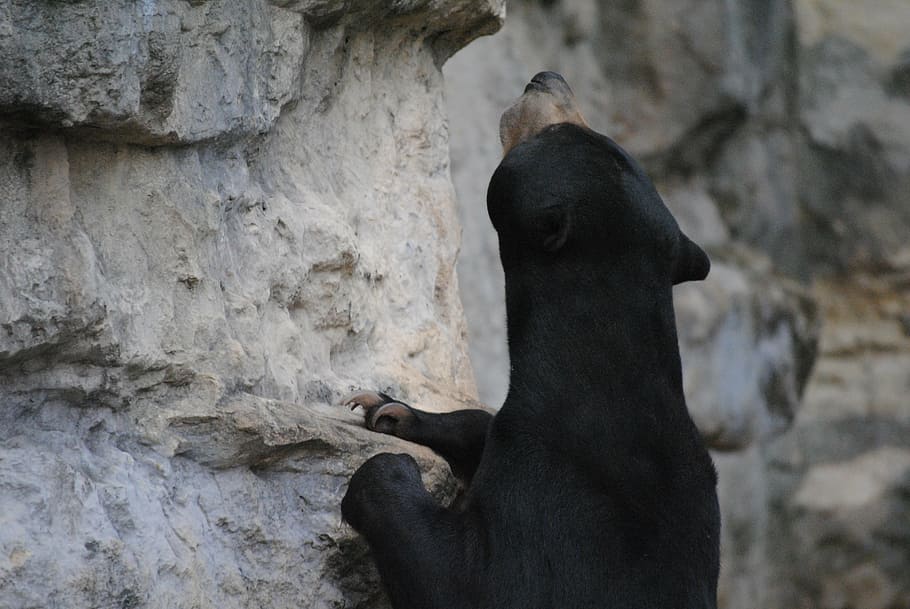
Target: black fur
[[592, 487]]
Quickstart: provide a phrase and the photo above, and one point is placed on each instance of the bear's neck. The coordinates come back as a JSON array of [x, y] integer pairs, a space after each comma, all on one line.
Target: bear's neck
[[598, 337]]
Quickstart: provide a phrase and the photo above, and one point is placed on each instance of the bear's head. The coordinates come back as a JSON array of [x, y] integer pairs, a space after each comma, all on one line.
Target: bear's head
[[566, 199]]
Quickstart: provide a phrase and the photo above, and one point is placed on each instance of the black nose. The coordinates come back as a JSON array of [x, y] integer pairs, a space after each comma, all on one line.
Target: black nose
[[544, 78], [546, 81]]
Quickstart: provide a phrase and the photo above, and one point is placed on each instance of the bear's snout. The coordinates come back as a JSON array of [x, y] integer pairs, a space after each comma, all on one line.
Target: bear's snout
[[547, 100]]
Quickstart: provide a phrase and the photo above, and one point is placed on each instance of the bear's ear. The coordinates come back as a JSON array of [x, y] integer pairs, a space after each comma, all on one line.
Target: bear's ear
[[555, 224], [692, 263]]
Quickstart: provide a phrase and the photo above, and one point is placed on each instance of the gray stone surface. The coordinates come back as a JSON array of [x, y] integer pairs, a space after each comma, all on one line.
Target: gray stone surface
[[169, 71], [234, 506], [216, 218], [748, 341], [151, 71], [840, 479]]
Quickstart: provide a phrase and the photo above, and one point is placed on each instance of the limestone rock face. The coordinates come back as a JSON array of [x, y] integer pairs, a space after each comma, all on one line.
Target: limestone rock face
[[748, 341], [777, 132], [216, 218], [151, 71], [167, 71], [840, 478], [242, 511]]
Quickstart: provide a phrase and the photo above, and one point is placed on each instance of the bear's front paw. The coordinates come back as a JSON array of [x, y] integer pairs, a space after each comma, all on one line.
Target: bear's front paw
[[380, 488], [382, 413]]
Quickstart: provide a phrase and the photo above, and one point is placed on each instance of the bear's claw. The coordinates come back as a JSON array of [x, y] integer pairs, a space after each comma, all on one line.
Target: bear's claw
[[365, 399], [382, 413]]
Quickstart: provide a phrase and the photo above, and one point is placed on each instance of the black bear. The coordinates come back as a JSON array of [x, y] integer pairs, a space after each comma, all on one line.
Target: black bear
[[591, 486]]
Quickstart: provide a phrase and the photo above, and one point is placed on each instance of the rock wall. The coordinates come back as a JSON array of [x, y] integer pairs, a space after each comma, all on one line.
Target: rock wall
[[779, 133], [215, 219]]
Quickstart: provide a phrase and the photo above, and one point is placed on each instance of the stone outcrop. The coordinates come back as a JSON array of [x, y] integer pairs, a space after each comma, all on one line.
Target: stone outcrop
[[216, 218], [777, 131]]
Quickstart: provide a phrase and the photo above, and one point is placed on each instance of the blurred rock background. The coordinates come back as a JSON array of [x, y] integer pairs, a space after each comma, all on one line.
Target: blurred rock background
[[779, 133], [218, 217]]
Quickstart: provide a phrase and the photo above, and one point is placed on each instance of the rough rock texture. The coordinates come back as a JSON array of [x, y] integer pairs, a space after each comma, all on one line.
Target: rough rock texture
[[215, 219], [748, 343], [779, 133], [841, 479], [242, 512]]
